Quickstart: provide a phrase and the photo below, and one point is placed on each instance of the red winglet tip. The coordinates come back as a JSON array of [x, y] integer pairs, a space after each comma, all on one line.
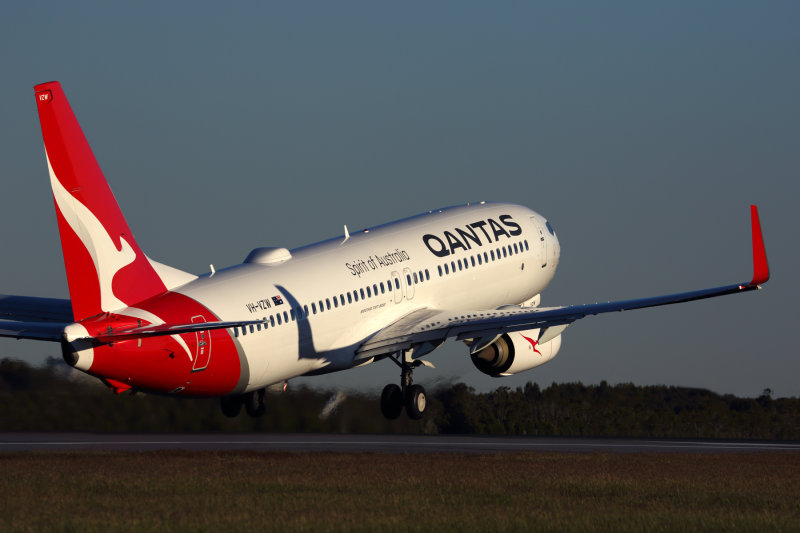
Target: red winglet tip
[[760, 265]]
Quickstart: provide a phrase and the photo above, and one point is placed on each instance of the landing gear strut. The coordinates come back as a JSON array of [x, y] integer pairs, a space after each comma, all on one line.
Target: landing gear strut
[[413, 397]]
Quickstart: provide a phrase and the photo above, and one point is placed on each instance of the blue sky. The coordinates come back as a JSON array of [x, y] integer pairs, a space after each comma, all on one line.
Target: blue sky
[[641, 130]]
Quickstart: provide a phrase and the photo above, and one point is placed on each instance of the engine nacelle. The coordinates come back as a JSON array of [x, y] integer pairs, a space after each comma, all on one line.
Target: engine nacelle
[[515, 352]]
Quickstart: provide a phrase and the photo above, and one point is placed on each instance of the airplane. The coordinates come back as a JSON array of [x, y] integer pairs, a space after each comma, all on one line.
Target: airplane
[[396, 291]]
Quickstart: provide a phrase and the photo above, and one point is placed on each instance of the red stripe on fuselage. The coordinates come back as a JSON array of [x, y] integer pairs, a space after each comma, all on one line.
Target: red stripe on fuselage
[[162, 364]]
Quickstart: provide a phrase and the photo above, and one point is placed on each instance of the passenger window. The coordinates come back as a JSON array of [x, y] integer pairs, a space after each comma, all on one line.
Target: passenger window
[[472, 260], [374, 290], [272, 321], [322, 307], [355, 296], [258, 327], [341, 299], [397, 283], [251, 328], [382, 291], [279, 319], [349, 298], [416, 279], [313, 308], [427, 275], [328, 303], [440, 270], [335, 302], [453, 267], [446, 270], [492, 254], [516, 251], [361, 292], [291, 314], [526, 245], [369, 292], [285, 317]]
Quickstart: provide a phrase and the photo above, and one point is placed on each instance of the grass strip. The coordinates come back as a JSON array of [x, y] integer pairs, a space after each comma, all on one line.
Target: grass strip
[[250, 491]]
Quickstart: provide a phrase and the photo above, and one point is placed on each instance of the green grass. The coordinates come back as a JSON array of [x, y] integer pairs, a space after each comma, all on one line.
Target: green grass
[[208, 491]]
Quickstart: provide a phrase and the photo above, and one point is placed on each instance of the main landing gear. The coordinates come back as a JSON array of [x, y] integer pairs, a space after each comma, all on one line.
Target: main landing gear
[[253, 402], [407, 395]]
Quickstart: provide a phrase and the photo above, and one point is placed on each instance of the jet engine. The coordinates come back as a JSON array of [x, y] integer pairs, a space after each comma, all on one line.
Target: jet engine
[[511, 353]]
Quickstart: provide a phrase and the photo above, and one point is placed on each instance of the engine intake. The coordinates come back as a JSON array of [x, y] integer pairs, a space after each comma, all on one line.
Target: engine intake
[[515, 352]]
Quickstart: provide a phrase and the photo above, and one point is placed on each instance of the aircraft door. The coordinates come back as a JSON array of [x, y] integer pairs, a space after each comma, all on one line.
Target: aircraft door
[[397, 287], [202, 349], [541, 247], [409, 279]]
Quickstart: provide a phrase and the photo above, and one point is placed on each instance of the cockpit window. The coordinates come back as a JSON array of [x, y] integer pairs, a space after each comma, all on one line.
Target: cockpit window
[[550, 228]]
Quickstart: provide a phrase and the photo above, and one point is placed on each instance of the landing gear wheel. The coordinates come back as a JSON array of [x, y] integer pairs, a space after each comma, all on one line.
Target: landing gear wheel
[[231, 405], [254, 403], [391, 401], [415, 402]]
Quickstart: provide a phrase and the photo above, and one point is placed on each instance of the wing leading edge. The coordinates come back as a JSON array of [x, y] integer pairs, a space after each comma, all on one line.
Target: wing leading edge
[[428, 326]]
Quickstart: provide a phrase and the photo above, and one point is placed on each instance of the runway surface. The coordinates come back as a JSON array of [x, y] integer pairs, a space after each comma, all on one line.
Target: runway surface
[[310, 442]]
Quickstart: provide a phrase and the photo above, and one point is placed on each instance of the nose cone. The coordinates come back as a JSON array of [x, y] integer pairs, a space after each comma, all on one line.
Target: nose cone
[[553, 247], [556, 247]]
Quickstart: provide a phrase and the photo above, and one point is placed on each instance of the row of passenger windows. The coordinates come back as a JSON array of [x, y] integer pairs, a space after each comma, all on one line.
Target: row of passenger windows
[[370, 291], [479, 259]]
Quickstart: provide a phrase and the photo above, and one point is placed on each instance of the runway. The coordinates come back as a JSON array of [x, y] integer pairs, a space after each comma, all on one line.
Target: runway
[[310, 442]]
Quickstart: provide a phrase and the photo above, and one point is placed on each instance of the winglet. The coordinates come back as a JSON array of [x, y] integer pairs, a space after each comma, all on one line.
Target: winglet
[[760, 265]]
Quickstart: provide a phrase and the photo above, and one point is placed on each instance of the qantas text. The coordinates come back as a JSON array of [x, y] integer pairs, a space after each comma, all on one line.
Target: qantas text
[[476, 233]]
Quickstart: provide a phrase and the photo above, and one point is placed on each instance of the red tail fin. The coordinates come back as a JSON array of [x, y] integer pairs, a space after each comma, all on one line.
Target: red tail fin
[[106, 269]]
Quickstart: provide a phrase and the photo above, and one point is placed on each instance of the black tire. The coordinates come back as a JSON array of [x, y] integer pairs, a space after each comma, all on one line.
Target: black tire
[[416, 402], [231, 405], [391, 401], [254, 403]]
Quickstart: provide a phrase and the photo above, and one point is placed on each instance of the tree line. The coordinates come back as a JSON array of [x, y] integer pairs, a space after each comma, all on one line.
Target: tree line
[[54, 397]]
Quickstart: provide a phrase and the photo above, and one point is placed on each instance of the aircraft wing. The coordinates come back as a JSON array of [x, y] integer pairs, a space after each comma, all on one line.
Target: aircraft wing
[[431, 326]]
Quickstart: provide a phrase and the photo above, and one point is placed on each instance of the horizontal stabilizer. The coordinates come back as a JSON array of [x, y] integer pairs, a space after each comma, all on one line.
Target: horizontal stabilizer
[[40, 331], [169, 329], [35, 309]]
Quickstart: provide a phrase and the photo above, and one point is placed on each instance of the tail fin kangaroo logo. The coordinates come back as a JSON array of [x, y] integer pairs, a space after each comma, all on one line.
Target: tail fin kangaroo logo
[[106, 269]]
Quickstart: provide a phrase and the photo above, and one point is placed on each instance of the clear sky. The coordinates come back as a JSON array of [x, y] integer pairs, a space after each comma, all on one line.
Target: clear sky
[[642, 130]]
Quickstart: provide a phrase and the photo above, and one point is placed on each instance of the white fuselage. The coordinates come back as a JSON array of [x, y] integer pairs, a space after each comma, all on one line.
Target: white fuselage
[[503, 254]]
